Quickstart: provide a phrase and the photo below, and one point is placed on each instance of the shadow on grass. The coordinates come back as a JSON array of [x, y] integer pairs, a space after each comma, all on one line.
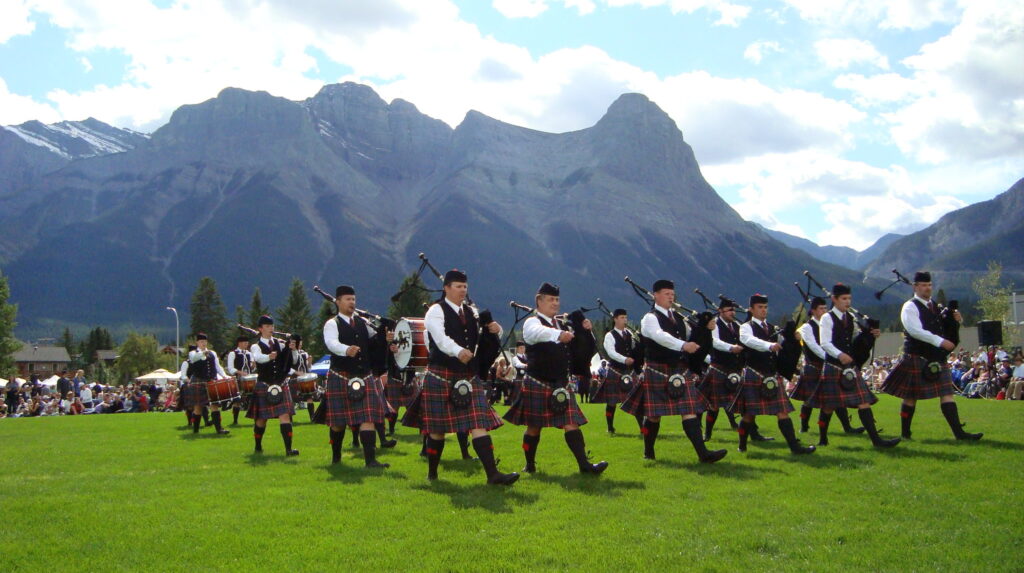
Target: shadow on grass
[[254, 459], [495, 499], [203, 436], [589, 484], [982, 443], [724, 468], [353, 471], [818, 459]]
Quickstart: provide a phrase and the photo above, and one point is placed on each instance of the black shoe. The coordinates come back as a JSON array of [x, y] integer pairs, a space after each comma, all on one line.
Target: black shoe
[[336, 461], [822, 442], [468, 456], [757, 437], [595, 469], [649, 456], [222, 431], [292, 453], [712, 456], [503, 479], [611, 430], [530, 468], [886, 443], [377, 464], [906, 436], [258, 451], [802, 450], [389, 444], [967, 436], [855, 431]]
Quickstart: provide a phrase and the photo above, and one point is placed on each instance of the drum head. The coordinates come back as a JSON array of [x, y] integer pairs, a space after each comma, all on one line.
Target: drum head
[[403, 340]]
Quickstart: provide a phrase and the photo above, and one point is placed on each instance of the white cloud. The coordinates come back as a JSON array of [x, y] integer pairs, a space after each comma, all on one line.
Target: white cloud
[[886, 14], [841, 53], [15, 109], [14, 19], [86, 64], [520, 8], [756, 51], [729, 14]]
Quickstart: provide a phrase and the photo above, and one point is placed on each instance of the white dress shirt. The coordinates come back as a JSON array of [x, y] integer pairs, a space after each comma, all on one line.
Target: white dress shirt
[[199, 355], [331, 334], [827, 321], [434, 322], [518, 363], [911, 319], [231, 363], [609, 345], [748, 339], [717, 342], [257, 352], [535, 332], [807, 335], [651, 328]]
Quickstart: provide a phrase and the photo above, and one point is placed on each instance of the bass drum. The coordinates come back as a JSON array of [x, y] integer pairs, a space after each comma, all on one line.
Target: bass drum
[[411, 338]]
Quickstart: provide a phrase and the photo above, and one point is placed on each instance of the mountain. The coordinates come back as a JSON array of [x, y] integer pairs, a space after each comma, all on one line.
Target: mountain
[[958, 247], [254, 189], [842, 256]]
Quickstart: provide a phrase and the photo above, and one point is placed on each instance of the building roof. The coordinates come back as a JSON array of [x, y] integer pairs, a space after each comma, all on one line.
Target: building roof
[[31, 353], [106, 355]]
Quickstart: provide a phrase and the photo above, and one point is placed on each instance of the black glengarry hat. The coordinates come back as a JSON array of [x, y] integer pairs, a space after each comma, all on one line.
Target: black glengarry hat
[[661, 284], [548, 289], [455, 276]]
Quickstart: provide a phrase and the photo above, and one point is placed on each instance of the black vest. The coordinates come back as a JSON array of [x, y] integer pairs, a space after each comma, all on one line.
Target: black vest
[[521, 371], [301, 365], [355, 334], [243, 361], [272, 371], [548, 361], [465, 335], [763, 362], [623, 345], [932, 322], [842, 336], [203, 370], [808, 355], [720, 358], [654, 352]]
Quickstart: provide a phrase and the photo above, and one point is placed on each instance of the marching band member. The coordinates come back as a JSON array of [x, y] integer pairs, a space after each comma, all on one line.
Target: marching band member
[[453, 398], [756, 397], [272, 397], [833, 390], [547, 379], [668, 387], [618, 346], [299, 363], [239, 362], [354, 395], [203, 366], [922, 372], [726, 359]]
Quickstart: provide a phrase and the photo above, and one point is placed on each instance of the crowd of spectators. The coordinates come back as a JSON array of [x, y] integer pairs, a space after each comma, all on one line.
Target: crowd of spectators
[[76, 396], [989, 372]]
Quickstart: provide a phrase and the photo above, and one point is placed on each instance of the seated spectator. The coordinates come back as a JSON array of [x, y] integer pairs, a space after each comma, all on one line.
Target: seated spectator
[[3, 409], [1016, 385], [35, 406], [22, 410], [65, 404], [978, 386], [76, 407], [143, 401], [85, 392]]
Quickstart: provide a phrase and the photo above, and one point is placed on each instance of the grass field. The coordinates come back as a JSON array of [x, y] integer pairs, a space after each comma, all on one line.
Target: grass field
[[139, 492]]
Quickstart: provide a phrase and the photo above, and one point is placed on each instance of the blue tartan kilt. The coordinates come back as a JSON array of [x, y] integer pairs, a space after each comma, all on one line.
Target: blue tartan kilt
[[906, 380], [339, 411], [194, 394], [751, 401], [609, 389], [532, 407], [261, 409], [649, 397], [715, 388], [830, 394], [432, 412], [808, 380]]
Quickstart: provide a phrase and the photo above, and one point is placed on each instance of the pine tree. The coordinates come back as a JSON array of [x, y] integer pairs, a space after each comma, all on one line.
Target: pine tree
[[256, 309], [8, 344], [994, 301], [315, 346], [138, 355], [209, 314], [296, 316], [411, 303]]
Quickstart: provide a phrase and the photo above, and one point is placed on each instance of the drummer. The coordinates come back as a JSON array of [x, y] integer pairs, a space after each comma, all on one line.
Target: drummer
[[239, 363], [299, 363], [203, 366]]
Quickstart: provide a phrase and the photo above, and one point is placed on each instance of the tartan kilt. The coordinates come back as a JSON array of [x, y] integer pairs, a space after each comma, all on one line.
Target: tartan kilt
[[260, 409], [749, 399], [649, 397], [432, 412], [393, 392], [338, 410], [830, 394], [609, 389], [906, 380], [194, 394], [715, 388], [807, 382], [515, 389], [532, 407]]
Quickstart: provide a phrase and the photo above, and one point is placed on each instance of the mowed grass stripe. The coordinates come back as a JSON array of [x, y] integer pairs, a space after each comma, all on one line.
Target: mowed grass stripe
[[140, 492]]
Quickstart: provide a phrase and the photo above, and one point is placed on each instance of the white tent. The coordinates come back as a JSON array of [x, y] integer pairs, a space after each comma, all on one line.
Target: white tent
[[51, 381], [159, 376], [20, 381]]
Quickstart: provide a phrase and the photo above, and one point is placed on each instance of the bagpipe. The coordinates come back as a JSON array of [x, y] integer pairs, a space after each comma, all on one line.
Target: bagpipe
[[700, 327], [377, 321], [583, 345], [863, 344], [379, 356], [283, 358], [637, 351], [947, 313]]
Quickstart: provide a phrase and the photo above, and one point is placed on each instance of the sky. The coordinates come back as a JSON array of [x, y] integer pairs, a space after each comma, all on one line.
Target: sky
[[835, 121]]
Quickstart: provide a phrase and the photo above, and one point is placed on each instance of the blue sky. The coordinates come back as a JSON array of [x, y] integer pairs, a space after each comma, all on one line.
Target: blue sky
[[838, 121]]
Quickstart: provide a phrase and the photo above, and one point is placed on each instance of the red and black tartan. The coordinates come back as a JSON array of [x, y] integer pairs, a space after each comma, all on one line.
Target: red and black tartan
[[339, 411], [906, 380], [610, 389], [750, 400], [431, 411], [807, 382], [714, 386], [649, 397], [532, 407], [260, 409], [830, 394], [194, 394], [393, 392]]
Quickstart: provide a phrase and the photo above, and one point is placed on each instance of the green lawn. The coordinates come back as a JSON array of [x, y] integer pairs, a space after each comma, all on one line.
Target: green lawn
[[139, 492]]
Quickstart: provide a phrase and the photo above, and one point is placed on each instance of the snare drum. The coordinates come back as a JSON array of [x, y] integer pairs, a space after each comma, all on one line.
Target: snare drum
[[248, 382], [305, 383], [222, 391], [411, 339]]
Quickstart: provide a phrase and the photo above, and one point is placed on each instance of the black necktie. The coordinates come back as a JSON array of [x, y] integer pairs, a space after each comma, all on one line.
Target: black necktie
[[462, 316]]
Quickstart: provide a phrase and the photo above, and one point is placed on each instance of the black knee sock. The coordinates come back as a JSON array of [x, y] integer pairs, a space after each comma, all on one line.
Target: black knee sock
[[823, 420], [609, 416], [952, 414], [423, 448], [234, 413], [650, 431], [844, 419], [709, 423], [367, 437], [484, 448], [786, 427], [867, 417], [434, 450], [206, 415], [379, 426], [463, 438], [530, 444], [639, 422], [805, 417], [216, 419], [392, 418], [257, 434], [188, 416], [732, 419], [743, 431], [691, 427], [906, 418], [195, 424], [355, 435], [286, 435], [574, 439], [310, 409], [336, 440]]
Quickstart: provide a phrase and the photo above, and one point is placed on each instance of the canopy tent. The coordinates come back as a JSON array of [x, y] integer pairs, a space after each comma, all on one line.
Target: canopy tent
[[159, 376], [322, 366], [51, 381], [4, 381]]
